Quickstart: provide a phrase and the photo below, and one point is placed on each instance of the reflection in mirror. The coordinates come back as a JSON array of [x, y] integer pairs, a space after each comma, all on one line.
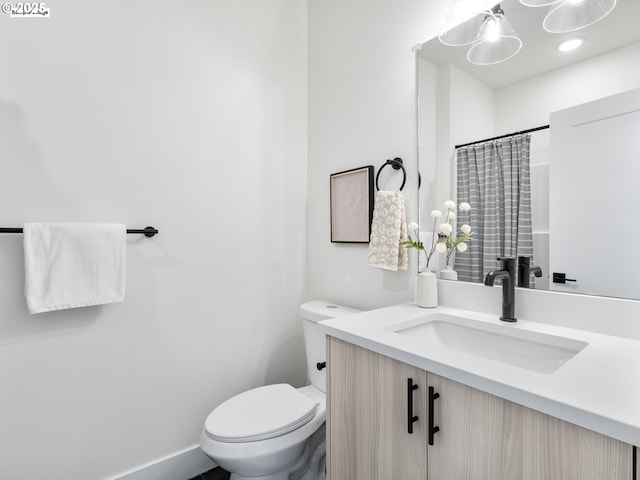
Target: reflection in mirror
[[459, 103], [493, 177], [594, 143]]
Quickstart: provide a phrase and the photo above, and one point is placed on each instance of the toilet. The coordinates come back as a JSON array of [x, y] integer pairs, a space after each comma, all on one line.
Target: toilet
[[277, 432]]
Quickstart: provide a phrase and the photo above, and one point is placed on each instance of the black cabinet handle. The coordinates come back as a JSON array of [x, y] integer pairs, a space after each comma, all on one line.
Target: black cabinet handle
[[321, 365], [411, 418], [433, 429]]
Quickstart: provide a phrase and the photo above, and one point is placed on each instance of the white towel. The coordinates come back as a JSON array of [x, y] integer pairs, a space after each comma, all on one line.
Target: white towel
[[388, 230], [70, 265]]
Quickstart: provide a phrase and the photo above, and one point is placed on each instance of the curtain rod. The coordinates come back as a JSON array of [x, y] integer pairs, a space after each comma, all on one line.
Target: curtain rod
[[543, 127], [147, 231]]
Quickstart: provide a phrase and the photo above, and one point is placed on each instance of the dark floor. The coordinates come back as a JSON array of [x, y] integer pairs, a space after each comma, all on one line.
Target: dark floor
[[215, 474]]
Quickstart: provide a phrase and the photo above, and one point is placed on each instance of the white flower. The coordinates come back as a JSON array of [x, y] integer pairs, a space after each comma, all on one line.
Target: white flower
[[441, 247], [436, 213], [451, 215], [466, 229], [462, 247], [450, 205], [445, 228], [413, 226], [465, 207]]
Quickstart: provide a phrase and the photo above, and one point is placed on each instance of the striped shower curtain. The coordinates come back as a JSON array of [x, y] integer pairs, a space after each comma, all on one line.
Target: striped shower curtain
[[494, 178]]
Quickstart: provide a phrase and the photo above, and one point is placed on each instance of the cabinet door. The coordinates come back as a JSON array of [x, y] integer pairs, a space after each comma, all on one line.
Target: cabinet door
[[367, 416], [555, 449], [479, 437], [483, 437]]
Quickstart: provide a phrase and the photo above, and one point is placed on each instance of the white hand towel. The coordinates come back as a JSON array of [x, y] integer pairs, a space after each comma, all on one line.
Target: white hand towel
[[388, 230], [69, 265]]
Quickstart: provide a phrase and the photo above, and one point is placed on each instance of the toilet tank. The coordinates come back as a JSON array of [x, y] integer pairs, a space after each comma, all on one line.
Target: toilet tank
[[314, 340]]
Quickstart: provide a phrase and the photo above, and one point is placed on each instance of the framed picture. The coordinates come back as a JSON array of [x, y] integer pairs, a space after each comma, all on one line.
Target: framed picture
[[352, 205]]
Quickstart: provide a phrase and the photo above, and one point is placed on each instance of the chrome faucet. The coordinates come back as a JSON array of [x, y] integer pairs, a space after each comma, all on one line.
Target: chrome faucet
[[508, 276], [525, 270]]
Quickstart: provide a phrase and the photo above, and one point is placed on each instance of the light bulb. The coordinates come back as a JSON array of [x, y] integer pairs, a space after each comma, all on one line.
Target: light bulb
[[497, 41], [492, 32]]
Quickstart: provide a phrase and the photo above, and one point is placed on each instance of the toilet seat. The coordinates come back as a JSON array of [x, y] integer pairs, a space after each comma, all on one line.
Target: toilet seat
[[259, 414]]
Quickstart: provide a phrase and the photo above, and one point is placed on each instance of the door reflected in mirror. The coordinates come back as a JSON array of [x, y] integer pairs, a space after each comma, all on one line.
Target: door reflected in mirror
[[459, 102]]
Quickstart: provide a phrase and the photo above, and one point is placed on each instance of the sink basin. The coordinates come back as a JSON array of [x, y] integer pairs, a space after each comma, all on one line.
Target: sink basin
[[534, 351]]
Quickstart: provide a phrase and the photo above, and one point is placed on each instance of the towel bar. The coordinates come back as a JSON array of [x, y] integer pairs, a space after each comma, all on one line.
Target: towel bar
[[396, 163], [147, 231]]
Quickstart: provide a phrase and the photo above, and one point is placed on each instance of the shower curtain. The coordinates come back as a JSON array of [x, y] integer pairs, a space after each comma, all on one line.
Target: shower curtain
[[494, 178]]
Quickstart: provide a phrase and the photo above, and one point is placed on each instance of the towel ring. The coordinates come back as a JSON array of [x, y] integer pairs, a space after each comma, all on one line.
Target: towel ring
[[396, 163]]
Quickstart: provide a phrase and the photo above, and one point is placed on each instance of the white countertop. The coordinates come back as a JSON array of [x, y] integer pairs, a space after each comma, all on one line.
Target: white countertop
[[598, 389]]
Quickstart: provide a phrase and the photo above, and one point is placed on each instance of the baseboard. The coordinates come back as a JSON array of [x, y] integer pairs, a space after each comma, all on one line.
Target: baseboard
[[180, 466]]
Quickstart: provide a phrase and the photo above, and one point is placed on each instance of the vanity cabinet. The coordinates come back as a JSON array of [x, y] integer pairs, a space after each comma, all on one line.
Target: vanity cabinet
[[367, 416], [479, 436], [553, 448]]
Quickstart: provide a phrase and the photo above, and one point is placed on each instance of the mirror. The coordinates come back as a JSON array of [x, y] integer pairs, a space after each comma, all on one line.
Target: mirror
[[459, 102]]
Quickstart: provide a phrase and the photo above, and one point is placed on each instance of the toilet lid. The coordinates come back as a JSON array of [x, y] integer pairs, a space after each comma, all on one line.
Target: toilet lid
[[261, 413]]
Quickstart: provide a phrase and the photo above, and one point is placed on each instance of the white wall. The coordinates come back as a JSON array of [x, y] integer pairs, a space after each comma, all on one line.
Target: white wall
[[190, 117], [470, 104], [361, 112], [429, 124], [528, 104]]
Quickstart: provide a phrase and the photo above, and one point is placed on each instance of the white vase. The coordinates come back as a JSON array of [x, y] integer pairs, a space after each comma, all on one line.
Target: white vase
[[427, 290], [449, 273]]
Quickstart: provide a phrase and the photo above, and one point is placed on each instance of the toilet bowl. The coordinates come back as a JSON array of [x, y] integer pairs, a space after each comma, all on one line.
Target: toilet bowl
[[277, 432]]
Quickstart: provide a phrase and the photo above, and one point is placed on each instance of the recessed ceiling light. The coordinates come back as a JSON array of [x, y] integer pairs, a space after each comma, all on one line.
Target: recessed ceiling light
[[569, 45]]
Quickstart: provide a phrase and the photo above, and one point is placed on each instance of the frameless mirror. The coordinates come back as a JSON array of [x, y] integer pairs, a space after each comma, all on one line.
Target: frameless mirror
[[459, 103]]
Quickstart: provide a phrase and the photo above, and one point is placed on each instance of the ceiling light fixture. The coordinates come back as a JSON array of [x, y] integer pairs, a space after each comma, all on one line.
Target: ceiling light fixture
[[463, 21], [538, 3], [569, 45], [571, 15], [497, 40]]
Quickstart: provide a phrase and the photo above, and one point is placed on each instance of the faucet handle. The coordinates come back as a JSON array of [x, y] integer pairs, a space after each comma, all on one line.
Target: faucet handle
[[524, 260], [507, 262]]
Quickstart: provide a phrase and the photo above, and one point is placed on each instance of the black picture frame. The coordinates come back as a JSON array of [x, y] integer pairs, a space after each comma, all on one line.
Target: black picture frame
[[352, 197]]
